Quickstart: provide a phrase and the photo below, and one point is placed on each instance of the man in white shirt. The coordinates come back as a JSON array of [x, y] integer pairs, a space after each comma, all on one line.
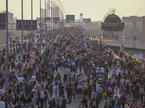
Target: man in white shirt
[[2, 91], [2, 104]]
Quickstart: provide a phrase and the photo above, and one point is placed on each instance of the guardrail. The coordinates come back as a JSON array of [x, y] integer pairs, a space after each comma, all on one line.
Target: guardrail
[[126, 43]]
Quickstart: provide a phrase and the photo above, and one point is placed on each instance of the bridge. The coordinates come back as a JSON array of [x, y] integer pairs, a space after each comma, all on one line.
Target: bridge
[[128, 45]]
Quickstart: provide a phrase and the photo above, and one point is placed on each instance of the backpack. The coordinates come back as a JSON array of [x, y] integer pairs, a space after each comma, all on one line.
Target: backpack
[[117, 106], [93, 94]]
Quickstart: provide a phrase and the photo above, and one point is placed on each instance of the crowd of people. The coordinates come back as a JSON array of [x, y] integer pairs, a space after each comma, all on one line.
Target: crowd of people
[[72, 69]]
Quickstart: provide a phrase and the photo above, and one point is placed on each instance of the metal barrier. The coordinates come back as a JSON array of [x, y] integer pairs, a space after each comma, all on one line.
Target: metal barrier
[[126, 43]]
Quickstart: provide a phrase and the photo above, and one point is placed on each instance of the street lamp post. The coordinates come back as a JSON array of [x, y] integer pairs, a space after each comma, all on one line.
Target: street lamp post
[[45, 18], [51, 14], [7, 47], [45, 24], [134, 41], [22, 22], [100, 39], [31, 17], [40, 24], [123, 42]]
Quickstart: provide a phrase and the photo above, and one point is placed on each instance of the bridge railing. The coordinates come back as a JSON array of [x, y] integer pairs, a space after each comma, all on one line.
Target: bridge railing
[[126, 43]]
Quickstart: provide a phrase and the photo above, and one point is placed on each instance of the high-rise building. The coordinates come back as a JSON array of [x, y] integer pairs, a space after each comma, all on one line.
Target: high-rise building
[[43, 13], [131, 18], [11, 25], [54, 10], [133, 27], [54, 14]]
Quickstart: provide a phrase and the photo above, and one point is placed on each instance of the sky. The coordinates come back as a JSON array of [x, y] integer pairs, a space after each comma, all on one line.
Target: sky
[[94, 9]]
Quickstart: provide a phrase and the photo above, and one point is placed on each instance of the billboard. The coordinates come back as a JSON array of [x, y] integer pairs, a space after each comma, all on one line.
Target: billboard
[[70, 18], [26, 24]]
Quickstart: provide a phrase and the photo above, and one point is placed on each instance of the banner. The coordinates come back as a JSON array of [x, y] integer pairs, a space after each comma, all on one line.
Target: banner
[[134, 60]]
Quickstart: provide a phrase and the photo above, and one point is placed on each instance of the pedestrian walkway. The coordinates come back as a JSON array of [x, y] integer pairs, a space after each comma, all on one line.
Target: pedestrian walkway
[[71, 67]]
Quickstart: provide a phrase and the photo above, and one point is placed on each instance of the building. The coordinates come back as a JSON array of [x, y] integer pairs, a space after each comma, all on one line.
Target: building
[[130, 19], [11, 25], [112, 27], [133, 27], [143, 30], [52, 10], [86, 20], [43, 13], [54, 15]]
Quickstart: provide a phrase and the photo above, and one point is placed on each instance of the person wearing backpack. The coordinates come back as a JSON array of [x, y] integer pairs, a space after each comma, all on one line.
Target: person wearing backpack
[[141, 93], [79, 89], [52, 103], [84, 103], [93, 103], [117, 105], [123, 100], [45, 98], [42, 97], [38, 98], [93, 94], [63, 102]]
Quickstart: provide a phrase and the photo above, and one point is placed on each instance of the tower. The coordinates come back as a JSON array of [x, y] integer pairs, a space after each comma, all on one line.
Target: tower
[[81, 17], [112, 26]]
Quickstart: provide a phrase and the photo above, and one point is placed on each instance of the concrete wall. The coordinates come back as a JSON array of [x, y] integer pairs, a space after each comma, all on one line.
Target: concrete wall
[[133, 27], [13, 34], [93, 28], [129, 31], [143, 30]]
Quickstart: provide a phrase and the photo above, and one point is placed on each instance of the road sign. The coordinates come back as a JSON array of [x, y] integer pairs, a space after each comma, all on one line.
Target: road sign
[[70, 18]]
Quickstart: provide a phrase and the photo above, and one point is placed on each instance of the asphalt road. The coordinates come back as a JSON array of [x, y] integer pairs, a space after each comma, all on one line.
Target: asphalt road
[[76, 104]]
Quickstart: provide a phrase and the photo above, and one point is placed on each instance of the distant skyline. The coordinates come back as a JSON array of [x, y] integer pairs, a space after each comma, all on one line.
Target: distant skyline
[[94, 9]]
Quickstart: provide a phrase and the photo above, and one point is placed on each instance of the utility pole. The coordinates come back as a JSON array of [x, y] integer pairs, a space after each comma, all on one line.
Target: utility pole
[[51, 14], [45, 25], [22, 22], [7, 48], [31, 17], [40, 25], [31, 36]]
